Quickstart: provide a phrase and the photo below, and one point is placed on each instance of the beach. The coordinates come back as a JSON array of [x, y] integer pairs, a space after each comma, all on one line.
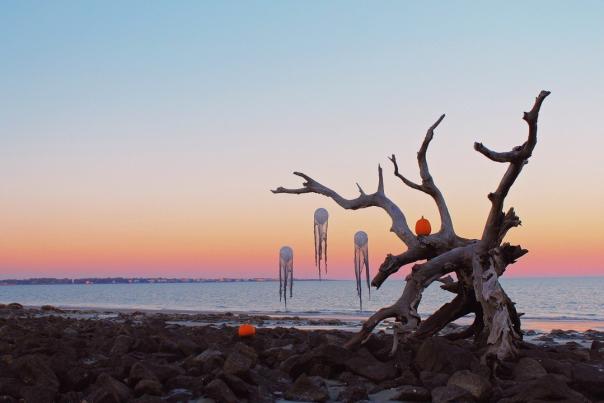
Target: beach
[[52, 354]]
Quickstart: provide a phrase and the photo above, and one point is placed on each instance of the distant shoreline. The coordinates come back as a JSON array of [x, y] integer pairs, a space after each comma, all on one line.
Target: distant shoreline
[[141, 280], [163, 280]]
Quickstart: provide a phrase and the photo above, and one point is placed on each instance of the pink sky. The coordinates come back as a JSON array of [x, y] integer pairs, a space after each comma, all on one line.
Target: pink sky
[[147, 146]]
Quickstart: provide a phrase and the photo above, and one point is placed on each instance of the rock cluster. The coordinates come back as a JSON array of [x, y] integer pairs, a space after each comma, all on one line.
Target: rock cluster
[[140, 358]]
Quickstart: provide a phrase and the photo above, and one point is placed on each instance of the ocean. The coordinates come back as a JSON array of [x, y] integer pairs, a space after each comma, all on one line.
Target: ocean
[[547, 303]]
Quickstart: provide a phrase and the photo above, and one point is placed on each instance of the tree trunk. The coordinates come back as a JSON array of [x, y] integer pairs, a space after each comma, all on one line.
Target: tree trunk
[[478, 263]]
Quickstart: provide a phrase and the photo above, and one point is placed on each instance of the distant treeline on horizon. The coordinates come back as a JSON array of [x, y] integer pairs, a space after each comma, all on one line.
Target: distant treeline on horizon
[[136, 280]]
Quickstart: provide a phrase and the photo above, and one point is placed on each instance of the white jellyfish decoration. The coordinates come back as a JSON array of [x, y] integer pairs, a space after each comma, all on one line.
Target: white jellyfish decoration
[[286, 273], [320, 230], [361, 260]]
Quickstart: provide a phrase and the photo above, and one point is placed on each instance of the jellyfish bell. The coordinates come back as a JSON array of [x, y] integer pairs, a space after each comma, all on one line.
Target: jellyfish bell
[[360, 238], [361, 263], [321, 219], [286, 253], [286, 273], [321, 216]]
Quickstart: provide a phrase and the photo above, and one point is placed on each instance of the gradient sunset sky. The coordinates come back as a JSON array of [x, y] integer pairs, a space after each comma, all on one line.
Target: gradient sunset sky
[[142, 138]]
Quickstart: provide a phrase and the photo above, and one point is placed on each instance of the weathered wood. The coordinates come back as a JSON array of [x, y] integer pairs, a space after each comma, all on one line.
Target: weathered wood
[[478, 263], [501, 333]]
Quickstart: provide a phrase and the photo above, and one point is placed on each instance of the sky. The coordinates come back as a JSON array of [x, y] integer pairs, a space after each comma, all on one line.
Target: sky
[[142, 138]]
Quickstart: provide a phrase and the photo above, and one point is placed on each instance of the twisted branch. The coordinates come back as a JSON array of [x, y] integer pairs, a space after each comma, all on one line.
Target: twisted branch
[[477, 263], [501, 323], [405, 308], [377, 199], [428, 186], [516, 158]]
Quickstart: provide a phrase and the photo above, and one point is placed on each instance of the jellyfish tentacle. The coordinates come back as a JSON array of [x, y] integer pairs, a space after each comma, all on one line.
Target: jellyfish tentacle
[[326, 225], [291, 282], [286, 273]]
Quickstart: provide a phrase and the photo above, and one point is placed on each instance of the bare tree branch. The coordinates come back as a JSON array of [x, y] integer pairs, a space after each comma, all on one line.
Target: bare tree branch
[[377, 199], [477, 263], [421, 276], [501, 323], [508, 156], [508, 221], [393, 263], [492, 226], [428, 186]]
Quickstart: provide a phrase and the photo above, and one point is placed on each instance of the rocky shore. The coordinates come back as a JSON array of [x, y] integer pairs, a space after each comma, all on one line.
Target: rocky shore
[[49, 355]]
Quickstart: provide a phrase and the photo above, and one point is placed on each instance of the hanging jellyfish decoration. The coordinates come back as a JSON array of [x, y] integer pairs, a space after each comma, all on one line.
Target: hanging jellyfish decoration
[[361, 259], [320, 230], [286, 273]]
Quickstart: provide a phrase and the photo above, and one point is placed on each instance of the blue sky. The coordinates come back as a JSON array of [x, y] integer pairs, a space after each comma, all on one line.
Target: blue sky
[[158, 114]]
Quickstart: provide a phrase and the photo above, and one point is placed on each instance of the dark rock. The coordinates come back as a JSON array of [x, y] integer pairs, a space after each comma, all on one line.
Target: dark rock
[[589, 379], [274, 380], [209, 359], [38, 394], [367, 366], [149, 387], [237, 385], [597, 350], [122, 345], [432, 380], [296, 365], [14, 306], [546, 388], [168, 346], [276, 355], [408, 378], [148, 399], [322, 370], [70, 332], [108, 390], [403, 358], [181, 395], [34, 370], [10, 386], [70, 397], [557, 367], [438, 354], [353, 393], [307, 389], [527, 369], [77, 378], [240, 360], [478, 386], [413, 393], [219, 391], [323, 361], [163, 372], [451, 394], [597, 345], [192, 383], [145, 344], [140, 371], [188, 346], [331, 354]]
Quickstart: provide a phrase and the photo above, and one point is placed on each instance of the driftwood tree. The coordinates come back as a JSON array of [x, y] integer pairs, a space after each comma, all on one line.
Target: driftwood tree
[[477, 263]]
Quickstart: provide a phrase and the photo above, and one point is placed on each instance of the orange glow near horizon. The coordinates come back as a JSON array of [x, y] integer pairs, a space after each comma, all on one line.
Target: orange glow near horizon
[[75, 245], [147, 146]]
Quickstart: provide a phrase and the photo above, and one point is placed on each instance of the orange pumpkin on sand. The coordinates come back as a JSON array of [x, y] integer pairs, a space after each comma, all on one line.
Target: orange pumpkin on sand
[[247, 330], [422, 227]]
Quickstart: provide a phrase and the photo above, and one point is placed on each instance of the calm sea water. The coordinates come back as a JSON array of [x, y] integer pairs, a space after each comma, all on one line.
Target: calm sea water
[[570, 299]]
